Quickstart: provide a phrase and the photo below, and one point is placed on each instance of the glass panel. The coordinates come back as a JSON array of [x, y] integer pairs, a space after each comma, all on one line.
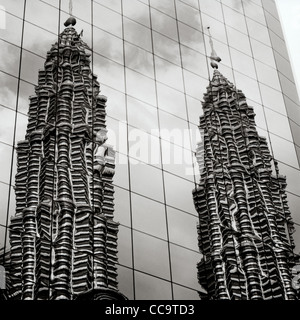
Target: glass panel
[[272, 99], [142, 115], [212, 8], [45, 39], [274, 25], [9, 58], [235, 19], [140, 87], [289, 88], [278, 124], [121, 173], [243, 63], [7, 123], [8, 90], [284, 151], [12, 29], [267, 75], [165, 6], [107, 20], [14, 7], [5, 162], [164, 24], [174, 129], [81, 9], [166, 48], [295, 132], [195, 86], [137, 11], [31, 64], [194, 61], [4, 190], [258, 32], [217, 29], [151, 288], [191, 37], [270, 6], [145, 248], [143, 147], [238, 40], [2, 236], [234, 4], [182, 228], [188, 15], [192, 3], [260, 119], [147, 180], [122, 206], [112, 4], [194, 109], [109, 72], [279, 45], [263, 53], [284, 66], [115, 106], [293, 109], [248, 86], [179, 193], [168, 73], [108, 45], [183, 259], [139, 60], [254, 12], [125, 279], [182, 293], [292, 177], [177, 160], [148, 216], [171, 100], [294, 204], [124, 246], [47, 15]]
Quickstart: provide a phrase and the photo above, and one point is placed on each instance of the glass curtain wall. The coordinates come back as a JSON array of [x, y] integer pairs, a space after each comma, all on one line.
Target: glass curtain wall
[[151, 59]]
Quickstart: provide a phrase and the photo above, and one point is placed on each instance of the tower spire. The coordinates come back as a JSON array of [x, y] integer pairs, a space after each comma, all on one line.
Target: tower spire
[[71, 20], [214, 58]]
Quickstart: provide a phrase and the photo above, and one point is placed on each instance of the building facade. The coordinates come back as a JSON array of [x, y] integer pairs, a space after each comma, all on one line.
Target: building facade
[[152, 61]]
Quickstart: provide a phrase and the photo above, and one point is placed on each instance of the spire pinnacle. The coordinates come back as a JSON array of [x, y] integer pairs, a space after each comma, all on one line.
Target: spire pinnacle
[[214, 58], [71, 20]]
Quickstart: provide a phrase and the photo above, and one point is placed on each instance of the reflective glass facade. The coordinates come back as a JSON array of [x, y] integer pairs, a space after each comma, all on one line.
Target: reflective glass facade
[[151, 58]]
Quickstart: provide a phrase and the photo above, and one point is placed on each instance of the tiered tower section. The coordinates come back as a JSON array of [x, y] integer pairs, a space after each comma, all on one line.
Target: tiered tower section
[[245, 226], [63, 237]]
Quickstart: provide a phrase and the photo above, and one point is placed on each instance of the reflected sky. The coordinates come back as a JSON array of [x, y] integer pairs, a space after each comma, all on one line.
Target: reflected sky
[[161, 87]]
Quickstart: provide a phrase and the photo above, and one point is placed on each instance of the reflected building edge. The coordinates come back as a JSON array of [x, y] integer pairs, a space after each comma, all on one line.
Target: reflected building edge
[[152, 63]]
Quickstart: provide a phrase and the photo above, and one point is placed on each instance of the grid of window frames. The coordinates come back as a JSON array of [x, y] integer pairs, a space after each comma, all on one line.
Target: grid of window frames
[[151, 60]]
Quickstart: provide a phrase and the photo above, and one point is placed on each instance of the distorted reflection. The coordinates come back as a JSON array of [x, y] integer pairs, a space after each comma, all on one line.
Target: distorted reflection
[[164, 24]]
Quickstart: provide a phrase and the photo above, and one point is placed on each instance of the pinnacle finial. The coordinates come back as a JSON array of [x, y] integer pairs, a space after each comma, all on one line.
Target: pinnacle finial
[[214, 58], [71, 20]]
